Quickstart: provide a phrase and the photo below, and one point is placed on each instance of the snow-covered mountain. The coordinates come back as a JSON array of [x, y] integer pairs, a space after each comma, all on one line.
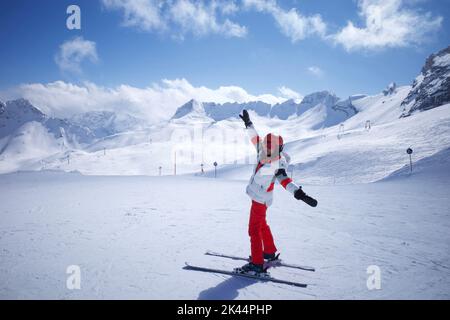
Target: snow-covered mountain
[[284, 110], [218, 112], [318, 98], [82, 128], [28, 136], [193, 108], [106, 123], [324, 109], [321, 108], [16, 113], [228, 110], [347, 105], [431, 88]]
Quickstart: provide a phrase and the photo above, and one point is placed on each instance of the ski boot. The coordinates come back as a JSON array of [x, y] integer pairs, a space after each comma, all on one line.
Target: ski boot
[[252, 269], [270, 257], [272, 260]]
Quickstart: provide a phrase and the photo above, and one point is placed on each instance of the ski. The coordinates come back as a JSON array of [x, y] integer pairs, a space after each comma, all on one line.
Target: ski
[[263, 278], [269, 264]]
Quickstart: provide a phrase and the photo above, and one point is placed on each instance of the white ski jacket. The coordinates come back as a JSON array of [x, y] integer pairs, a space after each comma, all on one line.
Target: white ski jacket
[[261, 184]]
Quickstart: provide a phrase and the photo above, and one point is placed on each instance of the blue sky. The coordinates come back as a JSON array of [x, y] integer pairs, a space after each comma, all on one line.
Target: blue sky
[[256, 45]]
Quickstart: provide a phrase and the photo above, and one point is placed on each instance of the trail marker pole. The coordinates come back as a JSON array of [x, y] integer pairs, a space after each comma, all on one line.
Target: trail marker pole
[[409, 151], [215, 169], [175, 165]]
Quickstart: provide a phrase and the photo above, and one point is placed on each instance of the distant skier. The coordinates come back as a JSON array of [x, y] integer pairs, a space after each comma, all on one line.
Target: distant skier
[[271, 165]]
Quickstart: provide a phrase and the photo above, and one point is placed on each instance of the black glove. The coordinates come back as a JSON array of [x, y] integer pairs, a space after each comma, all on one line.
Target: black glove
[[246, 118], [300, 195]]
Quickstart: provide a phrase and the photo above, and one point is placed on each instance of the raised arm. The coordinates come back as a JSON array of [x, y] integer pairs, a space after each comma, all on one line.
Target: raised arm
[[251, 131]]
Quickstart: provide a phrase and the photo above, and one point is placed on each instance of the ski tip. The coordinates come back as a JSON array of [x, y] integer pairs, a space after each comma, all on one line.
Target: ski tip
[[187, 266]]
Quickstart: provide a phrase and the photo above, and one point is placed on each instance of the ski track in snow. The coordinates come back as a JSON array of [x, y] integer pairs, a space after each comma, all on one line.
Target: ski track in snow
[[132, 235]]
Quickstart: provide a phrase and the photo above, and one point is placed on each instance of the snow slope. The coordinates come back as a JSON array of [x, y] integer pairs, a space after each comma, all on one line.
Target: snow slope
[[435, 167], [27, 147], [359, 155], [131, 236], [353, 154]]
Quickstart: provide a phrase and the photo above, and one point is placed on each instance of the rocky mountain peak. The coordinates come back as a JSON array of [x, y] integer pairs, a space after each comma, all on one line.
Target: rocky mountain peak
[[431, 88]]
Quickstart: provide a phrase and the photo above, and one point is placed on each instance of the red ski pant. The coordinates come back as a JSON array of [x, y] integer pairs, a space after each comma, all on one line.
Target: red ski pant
[[261, 239]]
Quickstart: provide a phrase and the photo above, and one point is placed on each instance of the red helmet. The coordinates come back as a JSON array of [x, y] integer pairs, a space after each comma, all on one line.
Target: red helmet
[[273, 143]]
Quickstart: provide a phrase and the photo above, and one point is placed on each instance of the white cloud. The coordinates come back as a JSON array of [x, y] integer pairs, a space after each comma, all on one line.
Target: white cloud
[[201, 19], [388, 24], [290, 94], [179, 17], [316, 71], [156, 102], [73, 52], [291, 23], [142, 14], [228, 7]]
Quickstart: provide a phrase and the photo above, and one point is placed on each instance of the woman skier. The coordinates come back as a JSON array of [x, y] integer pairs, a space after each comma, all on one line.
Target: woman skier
[[271, 165]]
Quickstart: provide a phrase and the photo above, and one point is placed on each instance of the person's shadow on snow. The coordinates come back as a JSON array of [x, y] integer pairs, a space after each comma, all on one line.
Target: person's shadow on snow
[[226, 290]]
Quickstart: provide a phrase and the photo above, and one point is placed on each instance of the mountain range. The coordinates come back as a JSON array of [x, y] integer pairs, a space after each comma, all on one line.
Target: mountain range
[[326, 103], [32, 140]]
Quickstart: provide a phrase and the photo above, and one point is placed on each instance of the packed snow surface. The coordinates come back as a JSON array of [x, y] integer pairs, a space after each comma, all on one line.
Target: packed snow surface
[[131, 236]]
